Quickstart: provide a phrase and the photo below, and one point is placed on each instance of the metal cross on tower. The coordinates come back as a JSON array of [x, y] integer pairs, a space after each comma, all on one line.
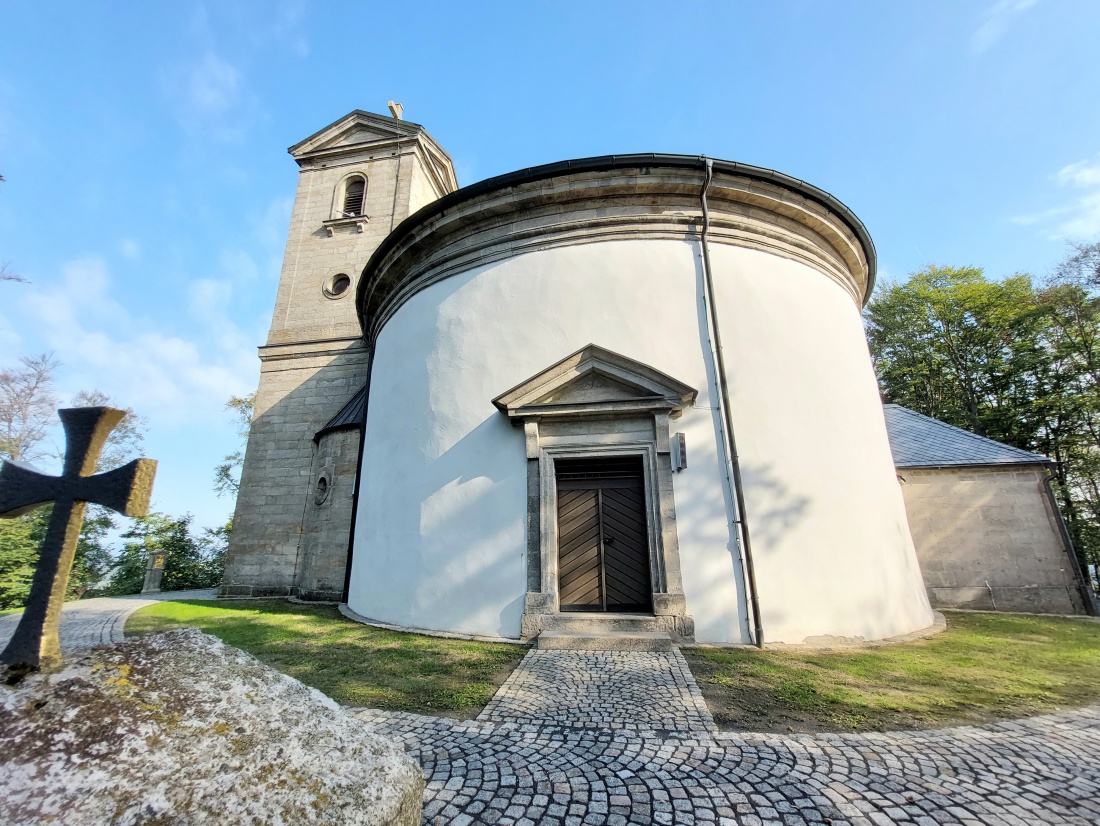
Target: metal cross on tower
[[126, 490]]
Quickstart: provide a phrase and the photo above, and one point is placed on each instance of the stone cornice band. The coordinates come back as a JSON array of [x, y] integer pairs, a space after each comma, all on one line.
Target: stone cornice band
[[616, 197]]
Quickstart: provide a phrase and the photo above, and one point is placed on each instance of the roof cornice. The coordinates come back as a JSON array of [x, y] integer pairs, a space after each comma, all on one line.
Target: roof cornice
[[476, 224]]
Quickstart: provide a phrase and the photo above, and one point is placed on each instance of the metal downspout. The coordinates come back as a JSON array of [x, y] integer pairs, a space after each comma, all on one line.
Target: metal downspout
[[724, 402]]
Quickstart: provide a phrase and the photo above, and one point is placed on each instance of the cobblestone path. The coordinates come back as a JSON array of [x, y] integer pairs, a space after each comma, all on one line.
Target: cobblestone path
[[89, 622], [1041, 770], [602, 689]]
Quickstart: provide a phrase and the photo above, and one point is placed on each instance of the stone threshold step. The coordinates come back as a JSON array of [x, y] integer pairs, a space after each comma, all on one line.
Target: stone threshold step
[[604, 641]]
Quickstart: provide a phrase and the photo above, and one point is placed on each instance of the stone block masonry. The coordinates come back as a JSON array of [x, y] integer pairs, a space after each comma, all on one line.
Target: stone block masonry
[[284, 542], [299, 392], [987, 539]]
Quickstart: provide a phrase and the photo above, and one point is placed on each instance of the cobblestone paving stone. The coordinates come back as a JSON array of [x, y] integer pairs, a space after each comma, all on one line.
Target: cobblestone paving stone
[[602, 689], [89, 622], [539, 754], [1041, 770]]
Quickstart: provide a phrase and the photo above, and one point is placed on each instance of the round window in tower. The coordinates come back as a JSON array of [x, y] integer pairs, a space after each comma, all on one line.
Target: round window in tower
[[337, 286], [320, 494]]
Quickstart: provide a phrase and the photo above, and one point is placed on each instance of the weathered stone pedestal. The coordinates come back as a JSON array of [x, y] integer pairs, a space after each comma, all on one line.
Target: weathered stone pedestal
[[179, 728]]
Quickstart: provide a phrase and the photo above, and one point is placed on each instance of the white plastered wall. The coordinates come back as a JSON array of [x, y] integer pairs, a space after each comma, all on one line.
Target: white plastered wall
[[440, 537]]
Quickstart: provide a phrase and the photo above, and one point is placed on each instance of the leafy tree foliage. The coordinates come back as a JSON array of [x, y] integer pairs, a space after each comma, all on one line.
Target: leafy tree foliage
[[30, 395], [20, 539], [1014, 360], [227, 475], [16, 564], [125, 441], [190, 562]]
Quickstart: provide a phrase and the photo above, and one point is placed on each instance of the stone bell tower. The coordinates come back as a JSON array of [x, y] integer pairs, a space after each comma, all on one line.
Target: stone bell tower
[[358, 179]]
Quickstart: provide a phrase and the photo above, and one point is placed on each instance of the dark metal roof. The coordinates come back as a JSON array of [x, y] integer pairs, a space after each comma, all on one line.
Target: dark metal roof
[[917, 440], [351, 414], [611, 162]]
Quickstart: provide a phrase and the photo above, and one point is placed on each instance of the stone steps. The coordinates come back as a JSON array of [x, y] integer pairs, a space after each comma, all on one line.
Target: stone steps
[[604, 640], [599, 623]]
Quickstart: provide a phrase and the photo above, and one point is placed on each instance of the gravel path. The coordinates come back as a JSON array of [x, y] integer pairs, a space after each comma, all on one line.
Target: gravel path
[[89, 622]]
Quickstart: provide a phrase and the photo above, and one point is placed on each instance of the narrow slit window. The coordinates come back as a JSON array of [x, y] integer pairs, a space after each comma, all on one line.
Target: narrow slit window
[[353, 197]]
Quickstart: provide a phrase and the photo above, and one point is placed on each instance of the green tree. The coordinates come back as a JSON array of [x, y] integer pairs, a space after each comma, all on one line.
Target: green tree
[[16, 563], [951, 344], [189, 562], [22, 537], [227, 475], [1011, 360], [214, 543]]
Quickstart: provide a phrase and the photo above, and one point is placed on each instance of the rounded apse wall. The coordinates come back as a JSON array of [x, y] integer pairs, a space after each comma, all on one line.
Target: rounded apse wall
[[495, 287]]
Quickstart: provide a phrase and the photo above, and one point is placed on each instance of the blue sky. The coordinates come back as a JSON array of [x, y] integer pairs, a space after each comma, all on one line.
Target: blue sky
[[148, 186]]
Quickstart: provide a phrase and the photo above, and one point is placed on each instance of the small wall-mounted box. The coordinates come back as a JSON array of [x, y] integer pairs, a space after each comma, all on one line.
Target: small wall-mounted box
[[677, 446]]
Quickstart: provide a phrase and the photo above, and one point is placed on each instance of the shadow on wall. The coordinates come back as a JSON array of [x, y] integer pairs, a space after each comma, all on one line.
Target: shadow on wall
[[782, 509], [277, 481], [473, 520], [443, 536]]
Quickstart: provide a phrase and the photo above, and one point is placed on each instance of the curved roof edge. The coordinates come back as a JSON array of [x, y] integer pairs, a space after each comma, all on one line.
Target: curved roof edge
[[609, 162], [352, 414]]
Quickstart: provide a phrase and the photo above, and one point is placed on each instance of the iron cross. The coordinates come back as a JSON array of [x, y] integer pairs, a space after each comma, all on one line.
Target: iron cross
[[126, 490]]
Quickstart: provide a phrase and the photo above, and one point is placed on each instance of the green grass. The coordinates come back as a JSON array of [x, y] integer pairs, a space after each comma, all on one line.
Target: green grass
[[9, 611], [984, 667], [354, 664]]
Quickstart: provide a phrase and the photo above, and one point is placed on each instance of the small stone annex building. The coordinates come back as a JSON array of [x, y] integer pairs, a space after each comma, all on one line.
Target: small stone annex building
[[622, 392], [984, 520]]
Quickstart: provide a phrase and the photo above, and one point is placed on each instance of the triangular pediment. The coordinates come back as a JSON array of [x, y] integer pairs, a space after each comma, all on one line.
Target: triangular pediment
[[593, 386], [358, 128], [595, 382]]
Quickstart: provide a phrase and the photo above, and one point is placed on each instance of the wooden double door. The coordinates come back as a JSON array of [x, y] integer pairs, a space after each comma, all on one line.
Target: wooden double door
[[603, 543]]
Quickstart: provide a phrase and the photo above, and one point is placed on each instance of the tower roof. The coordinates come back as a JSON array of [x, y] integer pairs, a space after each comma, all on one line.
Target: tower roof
[[359, 129]]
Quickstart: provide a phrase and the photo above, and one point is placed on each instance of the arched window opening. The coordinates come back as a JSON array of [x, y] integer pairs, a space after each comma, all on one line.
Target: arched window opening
[[353, 197]]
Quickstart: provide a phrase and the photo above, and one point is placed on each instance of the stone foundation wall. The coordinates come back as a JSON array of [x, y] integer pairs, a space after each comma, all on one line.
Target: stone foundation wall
[[987, 539]]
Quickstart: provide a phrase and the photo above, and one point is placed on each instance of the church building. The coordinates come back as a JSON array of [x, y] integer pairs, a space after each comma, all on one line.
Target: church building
[[626, 394]]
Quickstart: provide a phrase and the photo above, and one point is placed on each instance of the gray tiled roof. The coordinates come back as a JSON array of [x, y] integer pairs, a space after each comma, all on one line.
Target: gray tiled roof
[[350, 415], [917, 440]]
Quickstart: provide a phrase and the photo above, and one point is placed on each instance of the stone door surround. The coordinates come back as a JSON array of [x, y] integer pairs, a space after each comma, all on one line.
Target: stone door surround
[[595, 402]]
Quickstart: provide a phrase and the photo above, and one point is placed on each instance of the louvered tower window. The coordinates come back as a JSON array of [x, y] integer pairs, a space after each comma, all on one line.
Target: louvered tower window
[[353, 197]]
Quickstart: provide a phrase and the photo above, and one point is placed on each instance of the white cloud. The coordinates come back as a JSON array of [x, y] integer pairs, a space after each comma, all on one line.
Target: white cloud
[[1079, 219], [130, 249], [9, 339], [1082, 173], [995, 22], [173, 378], [211, 86], [239, 265], [271, 228], [210, 97]]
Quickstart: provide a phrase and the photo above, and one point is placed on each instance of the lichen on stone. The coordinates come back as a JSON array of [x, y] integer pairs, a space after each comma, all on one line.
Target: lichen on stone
[[179, 728]]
